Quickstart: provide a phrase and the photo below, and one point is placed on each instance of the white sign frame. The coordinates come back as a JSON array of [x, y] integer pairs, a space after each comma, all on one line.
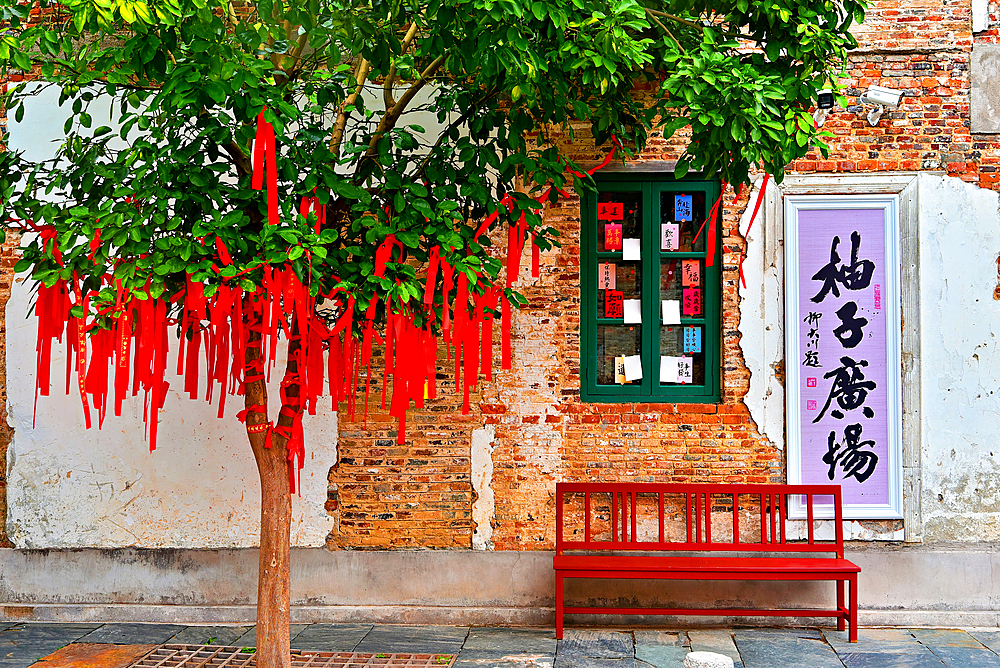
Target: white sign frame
[[891, 302]]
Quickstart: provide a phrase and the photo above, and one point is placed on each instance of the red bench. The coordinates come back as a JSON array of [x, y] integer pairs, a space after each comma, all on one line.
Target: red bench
[[636, 530]]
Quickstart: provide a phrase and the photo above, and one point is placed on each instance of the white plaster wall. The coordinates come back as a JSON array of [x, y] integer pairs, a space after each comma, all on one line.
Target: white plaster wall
[[68, 486], [959, 245], [960, 360], [72, 487]]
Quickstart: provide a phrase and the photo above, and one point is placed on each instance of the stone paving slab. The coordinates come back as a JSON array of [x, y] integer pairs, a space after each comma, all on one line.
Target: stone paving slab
[[989, 638], [598, 644], [133, 634], [766, 648], [249, 639], [890, 660], [966, 657], [946, 638], [883, 641], [719, 641], [23, 644], [661, 656], [524, 661], [331, 637], [389, 638], [210, 635], [95, 655], [512, 641], [579, 661], [653, 638]]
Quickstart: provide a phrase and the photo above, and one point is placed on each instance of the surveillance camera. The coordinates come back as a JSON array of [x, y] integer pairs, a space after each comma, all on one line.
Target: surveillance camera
[[824, 99], [888, 97]]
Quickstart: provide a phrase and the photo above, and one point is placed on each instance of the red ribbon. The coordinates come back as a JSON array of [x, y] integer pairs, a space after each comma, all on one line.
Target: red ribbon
[[753, 216], [263, 146]]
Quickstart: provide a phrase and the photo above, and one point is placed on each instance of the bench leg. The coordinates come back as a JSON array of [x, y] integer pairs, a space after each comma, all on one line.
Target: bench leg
[[840, 604], [559, 605], [854, 608]]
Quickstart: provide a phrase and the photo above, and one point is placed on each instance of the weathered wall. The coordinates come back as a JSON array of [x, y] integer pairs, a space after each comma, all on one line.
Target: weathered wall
[[960, 359], [485, 480], [72, 487]]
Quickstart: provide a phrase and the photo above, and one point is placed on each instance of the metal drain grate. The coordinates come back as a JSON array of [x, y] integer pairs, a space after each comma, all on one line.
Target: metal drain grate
[[214, 656]]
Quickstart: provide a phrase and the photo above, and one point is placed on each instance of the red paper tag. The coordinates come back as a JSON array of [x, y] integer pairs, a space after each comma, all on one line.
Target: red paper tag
[[613, 236], [692, 301], [609, 211], [614, 304]]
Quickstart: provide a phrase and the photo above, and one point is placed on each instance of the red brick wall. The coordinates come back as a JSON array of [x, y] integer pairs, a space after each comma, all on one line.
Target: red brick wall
[[388, 496]]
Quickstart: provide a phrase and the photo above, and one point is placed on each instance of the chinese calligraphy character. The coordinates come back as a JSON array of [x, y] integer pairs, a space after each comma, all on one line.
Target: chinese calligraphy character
[[609, 211], [613, 236], [853, 461], [850, 331], [812, 358], [682, 207], [849, 388], [854, 276]]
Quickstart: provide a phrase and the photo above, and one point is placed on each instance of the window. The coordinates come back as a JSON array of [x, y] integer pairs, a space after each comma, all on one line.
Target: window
[[650, 310]]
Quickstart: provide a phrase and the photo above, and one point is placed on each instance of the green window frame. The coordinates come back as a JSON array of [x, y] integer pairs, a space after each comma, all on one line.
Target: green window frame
[[648, 203]]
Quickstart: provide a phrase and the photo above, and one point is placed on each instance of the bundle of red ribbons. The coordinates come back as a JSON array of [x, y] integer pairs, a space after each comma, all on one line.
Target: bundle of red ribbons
[[220, 329]]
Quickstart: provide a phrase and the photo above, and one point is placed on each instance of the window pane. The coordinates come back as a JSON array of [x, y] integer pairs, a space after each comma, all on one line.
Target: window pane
[[628, 281], [618, 213], [616, 341], [685, 342], [681, 217]]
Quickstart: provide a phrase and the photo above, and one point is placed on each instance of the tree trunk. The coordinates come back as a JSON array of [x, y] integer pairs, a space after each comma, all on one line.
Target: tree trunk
[[274, 580], [274, 577]]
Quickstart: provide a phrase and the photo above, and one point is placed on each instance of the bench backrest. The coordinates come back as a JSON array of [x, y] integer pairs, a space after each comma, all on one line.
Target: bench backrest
[[692, 517]]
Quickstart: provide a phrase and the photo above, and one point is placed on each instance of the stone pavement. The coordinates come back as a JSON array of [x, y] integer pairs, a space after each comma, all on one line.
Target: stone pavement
[[51, 645]]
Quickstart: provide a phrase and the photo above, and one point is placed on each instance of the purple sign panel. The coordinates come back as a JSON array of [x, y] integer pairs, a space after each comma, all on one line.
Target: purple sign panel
[[842, 365]]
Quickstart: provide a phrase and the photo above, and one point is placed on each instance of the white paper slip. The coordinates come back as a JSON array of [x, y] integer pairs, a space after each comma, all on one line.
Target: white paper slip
[[685, 370], [669, 234], [631, 249], [633, 367], [668, 369], [671, 312], [633, 311]]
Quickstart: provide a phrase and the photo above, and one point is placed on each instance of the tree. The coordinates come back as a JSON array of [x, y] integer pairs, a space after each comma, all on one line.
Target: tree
[[368, 231]]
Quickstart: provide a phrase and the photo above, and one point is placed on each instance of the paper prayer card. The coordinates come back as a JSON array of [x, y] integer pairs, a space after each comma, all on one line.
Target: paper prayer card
[[633, 368], [685, 370], [613, 304], [691, 273], [620, 370], [692, 301], [606, 275], [682, 207], [692, 339], [632, 250], [609, 211], [670, 234], [633, 311], [613, 236], [671, 311], [668, 369]]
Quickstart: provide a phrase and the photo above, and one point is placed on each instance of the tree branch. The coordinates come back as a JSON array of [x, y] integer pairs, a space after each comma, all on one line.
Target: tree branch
[[390, 102], [240, 159], [388, 121], [360, 75], [664, 29], [678, 19]]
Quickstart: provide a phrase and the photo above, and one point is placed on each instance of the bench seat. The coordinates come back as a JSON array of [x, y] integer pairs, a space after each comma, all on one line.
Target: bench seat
[[688, 531], [691, 568]]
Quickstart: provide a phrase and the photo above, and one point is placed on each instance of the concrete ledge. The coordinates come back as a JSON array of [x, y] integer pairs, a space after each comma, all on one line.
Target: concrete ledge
[[900, 586]]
